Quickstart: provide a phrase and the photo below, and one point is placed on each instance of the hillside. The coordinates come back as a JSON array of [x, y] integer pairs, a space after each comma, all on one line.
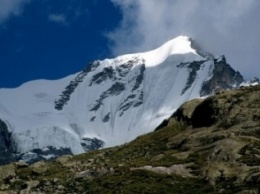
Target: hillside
[[207, 146]]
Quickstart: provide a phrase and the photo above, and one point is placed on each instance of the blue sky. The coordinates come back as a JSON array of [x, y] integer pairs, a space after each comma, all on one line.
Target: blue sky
[[50, 39]]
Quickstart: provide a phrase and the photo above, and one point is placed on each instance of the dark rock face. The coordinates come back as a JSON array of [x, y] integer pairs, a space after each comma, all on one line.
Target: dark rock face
[[199, 114], [6, 145], [89, 144], [224, 77], [119, 76], [106, 118], [185, 112], [48, 153], [203, 115], [65, 96], [254, 80], [140, 78], [194, 67], [107, 73], [135, 99], [124, 69], [114, 90]]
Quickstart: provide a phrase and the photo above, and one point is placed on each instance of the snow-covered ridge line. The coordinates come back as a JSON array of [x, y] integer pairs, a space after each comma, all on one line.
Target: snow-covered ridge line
[[178, 46]]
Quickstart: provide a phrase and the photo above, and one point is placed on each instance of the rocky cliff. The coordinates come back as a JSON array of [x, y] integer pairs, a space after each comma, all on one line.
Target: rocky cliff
[[6, 145]]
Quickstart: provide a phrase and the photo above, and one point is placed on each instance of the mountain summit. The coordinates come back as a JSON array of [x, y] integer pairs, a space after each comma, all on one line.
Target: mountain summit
[[110, 102]]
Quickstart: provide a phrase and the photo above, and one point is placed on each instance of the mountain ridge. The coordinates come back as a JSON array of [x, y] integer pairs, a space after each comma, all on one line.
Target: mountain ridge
[[135, 91]]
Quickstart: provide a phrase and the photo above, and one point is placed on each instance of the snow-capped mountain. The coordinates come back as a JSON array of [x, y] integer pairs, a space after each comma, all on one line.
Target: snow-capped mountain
[[111, 101]]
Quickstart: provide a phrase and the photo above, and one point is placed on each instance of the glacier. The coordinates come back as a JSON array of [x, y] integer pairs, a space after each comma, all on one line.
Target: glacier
[[112, 100]]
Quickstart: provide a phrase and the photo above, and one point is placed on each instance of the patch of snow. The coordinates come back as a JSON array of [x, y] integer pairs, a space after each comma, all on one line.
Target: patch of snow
[[48, 157], [246, 84]]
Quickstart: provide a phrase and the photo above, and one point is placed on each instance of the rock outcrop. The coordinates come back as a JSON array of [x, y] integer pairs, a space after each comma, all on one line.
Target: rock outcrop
[[223, 78]]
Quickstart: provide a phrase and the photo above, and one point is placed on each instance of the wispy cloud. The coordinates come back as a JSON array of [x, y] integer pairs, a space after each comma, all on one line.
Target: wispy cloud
[[11, 8], [58, 18], [229, 27]]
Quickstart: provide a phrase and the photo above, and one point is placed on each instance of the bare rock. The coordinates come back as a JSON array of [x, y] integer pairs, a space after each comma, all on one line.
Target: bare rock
[[7, 171], [21, 165], [157, 157], [32, 184], [64, 159], [39, 167], [180, 169]]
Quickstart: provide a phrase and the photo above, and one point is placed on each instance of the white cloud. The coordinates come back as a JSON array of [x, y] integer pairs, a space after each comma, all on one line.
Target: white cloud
[[11, 8], [58, 18], [229, 27]]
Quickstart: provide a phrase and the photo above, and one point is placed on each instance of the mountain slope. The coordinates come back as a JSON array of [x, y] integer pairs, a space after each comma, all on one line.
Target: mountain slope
[[188, 155], [111, 101]]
